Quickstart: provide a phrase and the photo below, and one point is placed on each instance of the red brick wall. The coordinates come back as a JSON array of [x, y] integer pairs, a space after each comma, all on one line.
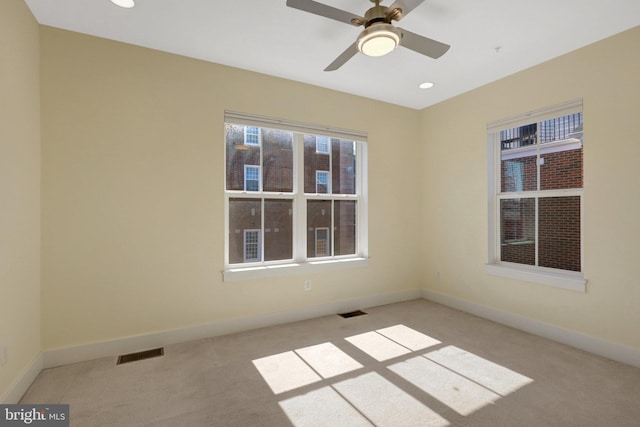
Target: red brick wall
[[559, 232], [561, 170]]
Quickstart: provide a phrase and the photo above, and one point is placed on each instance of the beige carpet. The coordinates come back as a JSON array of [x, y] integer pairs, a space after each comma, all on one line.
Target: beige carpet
[[409, 364]]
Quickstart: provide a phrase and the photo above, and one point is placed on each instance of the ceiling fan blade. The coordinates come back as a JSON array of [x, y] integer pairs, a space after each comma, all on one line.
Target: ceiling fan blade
[[406, 6], [327, 11], [344, 57], [423, 45]]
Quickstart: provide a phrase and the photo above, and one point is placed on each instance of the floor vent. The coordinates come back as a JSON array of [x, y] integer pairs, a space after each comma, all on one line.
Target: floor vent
[[352, 314], [141, 355]]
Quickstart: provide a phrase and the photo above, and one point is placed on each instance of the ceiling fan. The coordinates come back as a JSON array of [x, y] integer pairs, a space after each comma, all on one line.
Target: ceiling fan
[[379, 36]]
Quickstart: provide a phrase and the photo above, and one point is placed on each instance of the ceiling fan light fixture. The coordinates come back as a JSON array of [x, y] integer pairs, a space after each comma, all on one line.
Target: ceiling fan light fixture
[[378, 39]]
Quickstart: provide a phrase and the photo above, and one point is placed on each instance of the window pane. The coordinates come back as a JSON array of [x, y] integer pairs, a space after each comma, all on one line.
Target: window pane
[[313, 162], [251, 245], [559, 232], [322, 144], [561, 128], [519, 137], [518, 174], [318, 226], [343, 162], [277, 160], [345, 227], [561, 152], [251, 135], [238, 154], [251, 178], [278, 229], [561, 169], [517, 231], [322, 182], [244, 214]]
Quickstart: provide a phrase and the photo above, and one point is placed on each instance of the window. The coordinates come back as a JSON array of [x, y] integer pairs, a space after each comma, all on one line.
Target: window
[[322, 241], [251, 245], [251, 135], [536, 184], [322, 144], [251, 178], [288, 203], [322, 182]]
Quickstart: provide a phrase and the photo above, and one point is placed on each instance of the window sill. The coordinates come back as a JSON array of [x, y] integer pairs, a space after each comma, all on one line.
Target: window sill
[[266, 271], [572, 281]]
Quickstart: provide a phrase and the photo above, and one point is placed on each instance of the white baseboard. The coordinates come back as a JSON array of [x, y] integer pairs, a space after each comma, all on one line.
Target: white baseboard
[[617, 352], [23, 382], [95, 350]]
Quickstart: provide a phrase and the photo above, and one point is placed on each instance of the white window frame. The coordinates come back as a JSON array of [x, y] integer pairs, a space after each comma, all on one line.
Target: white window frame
[[327, 176], [252, 167], [323, 144], [301, 262], [249, 141], [258, 245], [547, 276]]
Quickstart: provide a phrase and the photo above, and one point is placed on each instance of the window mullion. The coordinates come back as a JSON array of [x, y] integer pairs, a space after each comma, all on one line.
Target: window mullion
[[300, 202], [262, 233], [536, 232], [537, 196], [332, 233]]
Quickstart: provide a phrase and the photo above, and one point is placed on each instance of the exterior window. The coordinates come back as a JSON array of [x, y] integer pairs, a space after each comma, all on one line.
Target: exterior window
[[251, 245], [537, 186], [322, 144], [322, 182], [251, 135], [286, 201], [322, 241], [251, 178]]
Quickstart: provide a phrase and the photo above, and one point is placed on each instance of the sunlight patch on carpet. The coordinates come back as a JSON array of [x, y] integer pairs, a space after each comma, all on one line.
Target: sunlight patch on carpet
[[328, 360], [285, 371], [408, 337], [322, 407], [385, 404], [377, 346], [457, 392], [491, 375]]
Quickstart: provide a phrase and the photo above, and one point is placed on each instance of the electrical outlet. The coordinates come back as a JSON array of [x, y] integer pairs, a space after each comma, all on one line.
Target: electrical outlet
[[307, 285], [437, 275], [4, 354]]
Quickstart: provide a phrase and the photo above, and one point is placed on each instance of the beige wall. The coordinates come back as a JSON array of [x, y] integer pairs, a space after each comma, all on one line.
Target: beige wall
[[133, 216], [606, 76], [19, 190]]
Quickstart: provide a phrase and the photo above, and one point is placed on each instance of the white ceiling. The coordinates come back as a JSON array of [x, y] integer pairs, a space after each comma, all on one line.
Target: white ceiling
[[489, 39]]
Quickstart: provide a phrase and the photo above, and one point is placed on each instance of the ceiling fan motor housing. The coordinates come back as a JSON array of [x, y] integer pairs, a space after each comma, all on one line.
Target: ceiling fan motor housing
[[376, 14]]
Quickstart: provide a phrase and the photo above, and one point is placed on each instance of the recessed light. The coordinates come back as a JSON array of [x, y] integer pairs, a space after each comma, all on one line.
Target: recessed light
[[124, 3], [426, 85]]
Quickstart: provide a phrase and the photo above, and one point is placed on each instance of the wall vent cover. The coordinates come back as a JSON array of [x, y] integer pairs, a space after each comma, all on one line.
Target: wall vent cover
[[141, 355], [352, 314]]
